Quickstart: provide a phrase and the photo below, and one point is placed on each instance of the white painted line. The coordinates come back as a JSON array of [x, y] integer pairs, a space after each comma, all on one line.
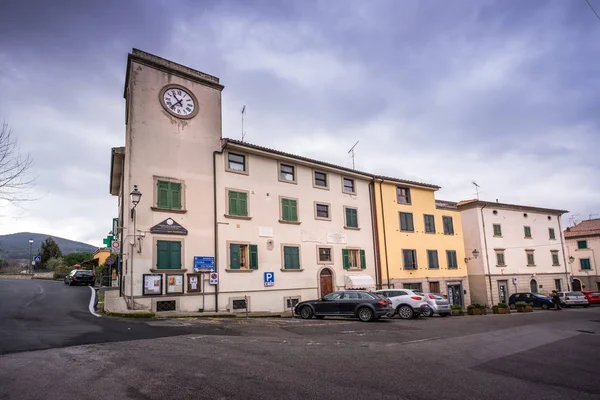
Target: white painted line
[[92, 300], [422, 340]]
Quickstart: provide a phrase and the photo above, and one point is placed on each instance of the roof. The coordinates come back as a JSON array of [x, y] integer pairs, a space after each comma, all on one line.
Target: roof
[[116, 169], [591, 227], [466, 204], [367, 175], [446, 205]]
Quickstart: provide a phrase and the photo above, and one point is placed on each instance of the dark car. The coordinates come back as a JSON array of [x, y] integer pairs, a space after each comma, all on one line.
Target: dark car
[[366, 306], [80, 276], [535, 299]]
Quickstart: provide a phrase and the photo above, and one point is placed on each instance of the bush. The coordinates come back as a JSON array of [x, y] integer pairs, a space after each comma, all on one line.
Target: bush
[[502, 305], [522, 304], [62, 271], [456, 307], [54, 263], [475, 306]]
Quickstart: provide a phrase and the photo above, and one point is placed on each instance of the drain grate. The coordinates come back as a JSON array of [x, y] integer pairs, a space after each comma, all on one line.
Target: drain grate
[[583, 331], [169, 305]]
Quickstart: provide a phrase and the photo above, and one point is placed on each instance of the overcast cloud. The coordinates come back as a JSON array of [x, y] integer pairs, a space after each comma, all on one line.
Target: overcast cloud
[[504, 93]]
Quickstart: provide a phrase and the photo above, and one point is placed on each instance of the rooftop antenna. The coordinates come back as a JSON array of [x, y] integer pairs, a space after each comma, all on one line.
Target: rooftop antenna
[[243, 112], [591, 216], [572, 219], [351, 152], [477, 189]]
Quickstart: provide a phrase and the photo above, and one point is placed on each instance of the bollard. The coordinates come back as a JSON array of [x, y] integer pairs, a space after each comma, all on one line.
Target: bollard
[[246, 304]]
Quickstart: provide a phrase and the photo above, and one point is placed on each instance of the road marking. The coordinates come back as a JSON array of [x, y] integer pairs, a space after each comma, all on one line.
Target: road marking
[[422, 340], [92, 299]]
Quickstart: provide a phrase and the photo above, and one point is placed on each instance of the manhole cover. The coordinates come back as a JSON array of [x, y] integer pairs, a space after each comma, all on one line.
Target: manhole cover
[[582, 331]]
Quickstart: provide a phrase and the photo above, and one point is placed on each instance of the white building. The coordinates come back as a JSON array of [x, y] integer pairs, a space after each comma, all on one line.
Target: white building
[[518, 248], [583, 249], [278, 227]]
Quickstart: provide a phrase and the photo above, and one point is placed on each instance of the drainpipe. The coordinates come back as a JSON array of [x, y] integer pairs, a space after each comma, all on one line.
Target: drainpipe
[[562, 246], [387, 265], [487, 256], [375, 233], [216, 228]]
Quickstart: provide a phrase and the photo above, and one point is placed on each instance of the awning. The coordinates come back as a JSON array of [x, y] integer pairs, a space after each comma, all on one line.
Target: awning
[[360, 281]]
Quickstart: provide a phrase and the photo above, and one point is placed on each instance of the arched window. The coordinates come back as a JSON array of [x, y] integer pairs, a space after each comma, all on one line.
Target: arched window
[[534, 287]]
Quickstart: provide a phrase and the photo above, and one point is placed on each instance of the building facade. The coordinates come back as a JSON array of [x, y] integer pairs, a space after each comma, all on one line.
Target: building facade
[[520, 250], [420, 240], [583, 247]]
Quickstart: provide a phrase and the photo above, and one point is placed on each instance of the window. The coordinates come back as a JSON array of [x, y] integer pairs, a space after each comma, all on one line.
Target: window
[[417, 287], [432, 259], [169, 195], [558, 285], [351, 217], [291, 257], [551, 233], [555, 260], [290, 302], [243, 256], [403, 195], [582, 244], [320, 179], [500, 258], [348, 185], [452, 260], [354, 259], [168, 254], [236, 162], [333, 296], [434, 287], [289, 210], [497, 230], [410, 259], [287, 173], [448, 225], [238, 203], [530, 258], [429, 223], [322, 211], [325, 255], [527, 230], [406, 222], [585, 263]]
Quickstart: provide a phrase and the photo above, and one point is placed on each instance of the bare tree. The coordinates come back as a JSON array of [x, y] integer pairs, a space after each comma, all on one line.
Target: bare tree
[[15, 181]]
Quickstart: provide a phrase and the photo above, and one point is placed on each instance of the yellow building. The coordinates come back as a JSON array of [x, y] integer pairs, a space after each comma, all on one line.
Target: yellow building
[[101, 255], [420, 240]]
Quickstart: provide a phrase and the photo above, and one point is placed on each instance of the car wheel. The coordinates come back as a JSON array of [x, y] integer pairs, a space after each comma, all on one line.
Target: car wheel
[[512, 307], [306, 312], [405, 312], [427, 312], [365, 314], [545, 306]]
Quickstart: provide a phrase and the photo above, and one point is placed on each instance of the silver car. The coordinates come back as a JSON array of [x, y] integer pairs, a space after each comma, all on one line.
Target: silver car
[[568, 299], [436, 304]]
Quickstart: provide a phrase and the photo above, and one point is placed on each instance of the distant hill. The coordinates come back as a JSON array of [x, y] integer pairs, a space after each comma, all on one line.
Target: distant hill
[[16, 245]]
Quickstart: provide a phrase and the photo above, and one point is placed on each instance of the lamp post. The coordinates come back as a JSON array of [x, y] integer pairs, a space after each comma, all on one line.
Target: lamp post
[[136, 196], [570, 280], [30, 255], [475, 255]]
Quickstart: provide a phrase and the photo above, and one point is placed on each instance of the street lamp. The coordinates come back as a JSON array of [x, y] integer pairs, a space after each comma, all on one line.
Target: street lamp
[[30, 255], [475, 255], [136, 196], [571, 260]]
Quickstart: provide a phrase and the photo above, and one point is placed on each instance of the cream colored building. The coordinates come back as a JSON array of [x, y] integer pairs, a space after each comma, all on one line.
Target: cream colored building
[[252, 210], [520, 250], [583, 253]]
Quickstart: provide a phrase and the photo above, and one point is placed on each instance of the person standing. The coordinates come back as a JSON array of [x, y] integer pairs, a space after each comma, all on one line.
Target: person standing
[[556, 300]]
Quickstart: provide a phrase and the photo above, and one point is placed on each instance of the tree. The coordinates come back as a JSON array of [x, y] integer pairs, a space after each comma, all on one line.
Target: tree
[[49, 249], [54, 263], [15, 181], [77, 258]]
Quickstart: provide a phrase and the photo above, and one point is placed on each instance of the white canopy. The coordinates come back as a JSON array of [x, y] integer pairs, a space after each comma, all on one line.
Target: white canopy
[[360, 281]]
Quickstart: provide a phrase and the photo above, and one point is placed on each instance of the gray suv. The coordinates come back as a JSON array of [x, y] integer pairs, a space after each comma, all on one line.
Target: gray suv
[[436, 304]]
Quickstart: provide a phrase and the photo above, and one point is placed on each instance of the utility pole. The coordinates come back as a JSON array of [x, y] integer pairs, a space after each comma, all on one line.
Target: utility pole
[[243, 112], [351, 152], [30, 256]]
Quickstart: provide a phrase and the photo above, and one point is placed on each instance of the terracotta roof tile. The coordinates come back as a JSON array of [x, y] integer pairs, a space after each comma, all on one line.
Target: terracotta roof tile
[[591, 227]]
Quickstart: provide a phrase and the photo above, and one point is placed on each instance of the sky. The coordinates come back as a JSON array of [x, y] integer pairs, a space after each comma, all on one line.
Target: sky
[[503, 93]]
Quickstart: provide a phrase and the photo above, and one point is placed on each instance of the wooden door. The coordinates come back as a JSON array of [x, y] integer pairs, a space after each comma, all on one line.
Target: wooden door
[[326, 281]]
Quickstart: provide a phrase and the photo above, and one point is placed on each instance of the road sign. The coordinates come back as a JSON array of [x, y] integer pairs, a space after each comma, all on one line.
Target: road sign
[[116, 245], [37, 258], [110, 261], [202, 263], [269, 279], [214, 278]]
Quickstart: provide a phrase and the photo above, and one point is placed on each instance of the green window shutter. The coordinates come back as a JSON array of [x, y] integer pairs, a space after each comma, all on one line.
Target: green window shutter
[[293, 211], [175, 195], [233, 203], [234, 256], [452, 261], [432, 259], [497, 230], [243, 204], [163, 194], [409, 219], [291, 257], [403, 222], [555, 260], [162, 257], [285, 210], [408, 259], [530, 259], [351, 218], [551, 233], [175, 255], [585, 263], [582, 244], [500, 258], [527, 232], [295, 257], [253, 256], [346, 258], [363, 260]]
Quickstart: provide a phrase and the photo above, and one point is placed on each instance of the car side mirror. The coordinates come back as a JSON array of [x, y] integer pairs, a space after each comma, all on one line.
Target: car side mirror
[[323, 298]]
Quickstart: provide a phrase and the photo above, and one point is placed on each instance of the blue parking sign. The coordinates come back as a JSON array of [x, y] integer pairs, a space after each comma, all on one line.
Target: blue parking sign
[[269, 278]]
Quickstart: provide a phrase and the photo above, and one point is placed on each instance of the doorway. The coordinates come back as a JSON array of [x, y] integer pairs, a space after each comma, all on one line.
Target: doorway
[[503, 291], [326, 281], [533, 286], [455, 294], [576, 285]]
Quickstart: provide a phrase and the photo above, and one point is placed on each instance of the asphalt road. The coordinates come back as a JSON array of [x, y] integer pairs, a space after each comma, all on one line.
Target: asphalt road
[[542, 355]]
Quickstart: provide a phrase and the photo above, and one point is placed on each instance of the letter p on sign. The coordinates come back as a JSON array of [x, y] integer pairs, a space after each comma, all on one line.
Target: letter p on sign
[[269, 278]]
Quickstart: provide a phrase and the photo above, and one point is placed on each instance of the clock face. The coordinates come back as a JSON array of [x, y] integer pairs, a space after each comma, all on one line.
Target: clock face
[[178, 102]]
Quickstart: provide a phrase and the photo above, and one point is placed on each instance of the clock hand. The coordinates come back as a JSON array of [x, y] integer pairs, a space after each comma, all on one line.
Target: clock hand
[[173, 106]]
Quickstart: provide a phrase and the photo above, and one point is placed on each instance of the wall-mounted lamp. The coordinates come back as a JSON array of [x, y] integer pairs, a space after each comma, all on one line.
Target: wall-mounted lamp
[[571, 260], [136, 196], [475, 255]]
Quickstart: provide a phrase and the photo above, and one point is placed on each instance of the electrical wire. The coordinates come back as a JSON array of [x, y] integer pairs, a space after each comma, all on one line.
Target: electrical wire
[[592, 8]]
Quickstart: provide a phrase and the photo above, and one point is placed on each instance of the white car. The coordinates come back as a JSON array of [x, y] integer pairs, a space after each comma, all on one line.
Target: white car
[[568, 299], [407, 303]]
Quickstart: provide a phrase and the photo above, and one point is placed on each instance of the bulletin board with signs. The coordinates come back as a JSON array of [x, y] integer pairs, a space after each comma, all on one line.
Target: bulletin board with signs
[[194, 283], [152, 284], [174, 283]]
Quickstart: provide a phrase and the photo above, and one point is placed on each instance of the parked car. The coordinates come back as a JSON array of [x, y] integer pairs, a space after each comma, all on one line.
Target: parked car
[[593, 296], [535, 299], [366, 306], [405, 302], [80, 276], [568, 299], [436, 304]]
